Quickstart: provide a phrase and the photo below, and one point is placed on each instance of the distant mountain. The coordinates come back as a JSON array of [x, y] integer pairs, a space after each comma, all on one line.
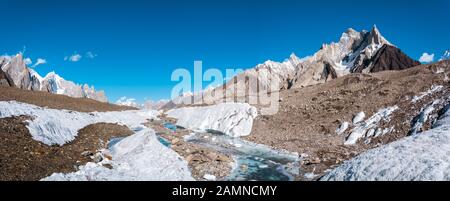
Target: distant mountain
[[155, 105], [15, 72], [356, 52], [150, 105]]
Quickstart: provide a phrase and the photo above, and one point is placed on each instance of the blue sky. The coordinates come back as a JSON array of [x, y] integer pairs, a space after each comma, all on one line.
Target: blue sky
[[137, 44]]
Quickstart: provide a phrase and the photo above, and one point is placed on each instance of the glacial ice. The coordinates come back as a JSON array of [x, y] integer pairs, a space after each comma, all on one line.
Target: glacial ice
[[417, 157], [342, 128], [359, 117], [139, 157], [433, 89], [361, 129], [233, 119], [53, 126]]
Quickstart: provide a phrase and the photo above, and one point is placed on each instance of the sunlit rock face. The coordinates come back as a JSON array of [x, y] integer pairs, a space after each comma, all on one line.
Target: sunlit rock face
[[16, 73]]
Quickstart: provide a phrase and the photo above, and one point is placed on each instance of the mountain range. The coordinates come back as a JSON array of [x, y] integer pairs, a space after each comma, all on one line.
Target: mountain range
[[356, 52], [149, 104], [15, 73]]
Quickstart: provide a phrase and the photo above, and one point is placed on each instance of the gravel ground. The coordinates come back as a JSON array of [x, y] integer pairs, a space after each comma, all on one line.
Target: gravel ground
[[24, 159]]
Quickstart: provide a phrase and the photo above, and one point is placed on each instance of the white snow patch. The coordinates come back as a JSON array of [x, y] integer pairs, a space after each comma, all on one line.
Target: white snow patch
[[310, 175], [361, 129], [139, 157], [342, 128], [359, 117], [209, 177], [53, 126], [422, 118], [417, 157], [233, 119], [370, 133], [434, 88]]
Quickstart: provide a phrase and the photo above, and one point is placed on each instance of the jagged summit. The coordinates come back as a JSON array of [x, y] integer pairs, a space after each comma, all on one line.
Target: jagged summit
[[376, 36], [355, 52], [23, 77]]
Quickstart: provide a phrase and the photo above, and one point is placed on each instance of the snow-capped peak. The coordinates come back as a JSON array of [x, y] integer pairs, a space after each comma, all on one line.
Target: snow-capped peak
[[155, 105], [376, 36], [27, 78], [54, 80], [445, 56], [287, 66], [353, 53], [36, 75], [348, 37], [375, 30], [293, 56], [294, 59], [53, 75]]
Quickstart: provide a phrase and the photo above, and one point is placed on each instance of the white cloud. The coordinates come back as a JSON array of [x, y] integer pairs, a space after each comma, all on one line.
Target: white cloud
[[77, 57], [128, 102], [91, 55], [28, 61], [39, 62], [73, 58], [426, 58]]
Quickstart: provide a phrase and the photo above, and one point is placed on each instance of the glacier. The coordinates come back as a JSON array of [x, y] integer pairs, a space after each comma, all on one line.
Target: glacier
[[433, 89], [139, 157], [233, 119], [58, 127], [421, 157], [368, 127], [359, 117]]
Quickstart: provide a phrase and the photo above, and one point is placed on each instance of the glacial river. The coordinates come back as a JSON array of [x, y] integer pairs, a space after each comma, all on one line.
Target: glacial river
[[252, 161]]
